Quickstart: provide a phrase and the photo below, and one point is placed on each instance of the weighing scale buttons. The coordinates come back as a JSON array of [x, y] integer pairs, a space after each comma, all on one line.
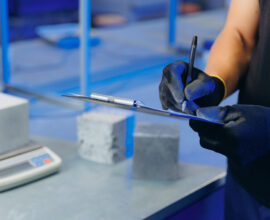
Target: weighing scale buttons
[[41, 160]]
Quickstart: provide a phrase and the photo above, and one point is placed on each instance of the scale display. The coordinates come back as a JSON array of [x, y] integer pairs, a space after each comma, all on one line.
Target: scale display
[[26, 165]]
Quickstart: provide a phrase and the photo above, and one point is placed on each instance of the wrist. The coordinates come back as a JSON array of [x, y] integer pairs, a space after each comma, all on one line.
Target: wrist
[[222, 85]]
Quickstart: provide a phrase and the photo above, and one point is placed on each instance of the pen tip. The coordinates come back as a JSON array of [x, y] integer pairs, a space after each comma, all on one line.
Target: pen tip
[[195, 39]]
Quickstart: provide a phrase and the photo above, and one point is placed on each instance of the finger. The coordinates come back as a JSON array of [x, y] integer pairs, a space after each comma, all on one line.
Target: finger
[[207, 129], [232, 116], [176, 93], [163, 95], [199, 88], [175, 72], [174, 75], [172, 94], [172, 104], [190, 107], [164, 107], [213, 113], [179, 67], [196, 125], [215, 145], [174, 107], [227, 115], [167, 100], [209, 143]]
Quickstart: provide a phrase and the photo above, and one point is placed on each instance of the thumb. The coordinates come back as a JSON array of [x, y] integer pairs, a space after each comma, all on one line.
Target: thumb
[[213, 113], [198, 88]]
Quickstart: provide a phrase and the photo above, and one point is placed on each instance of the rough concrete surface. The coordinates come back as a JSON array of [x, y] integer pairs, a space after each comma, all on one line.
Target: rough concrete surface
[[102, 137], [156, 148]]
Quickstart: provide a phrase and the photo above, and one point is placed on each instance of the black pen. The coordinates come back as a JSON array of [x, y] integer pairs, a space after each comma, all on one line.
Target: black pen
[[190, 66], [191, 59]]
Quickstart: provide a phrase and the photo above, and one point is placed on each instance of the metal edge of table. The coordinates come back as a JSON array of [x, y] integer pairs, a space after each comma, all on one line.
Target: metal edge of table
[[190, 198]]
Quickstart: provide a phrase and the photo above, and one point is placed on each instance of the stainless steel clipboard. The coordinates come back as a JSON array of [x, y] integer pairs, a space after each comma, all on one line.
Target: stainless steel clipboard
[[134, 105]]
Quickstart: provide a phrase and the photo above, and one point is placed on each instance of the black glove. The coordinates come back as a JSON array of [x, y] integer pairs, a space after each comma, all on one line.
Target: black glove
[[245, 136], [245, 140], [202, 91]]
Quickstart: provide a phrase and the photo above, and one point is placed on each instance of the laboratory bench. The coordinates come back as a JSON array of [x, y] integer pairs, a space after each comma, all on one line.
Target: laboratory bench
[[88, 190]]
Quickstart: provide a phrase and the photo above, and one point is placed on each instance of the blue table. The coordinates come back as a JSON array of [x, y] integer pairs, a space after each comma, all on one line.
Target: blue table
[[88, 190]]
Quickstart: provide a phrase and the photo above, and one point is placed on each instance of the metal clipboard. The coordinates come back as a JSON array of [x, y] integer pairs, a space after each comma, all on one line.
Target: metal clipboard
[[134, 105]]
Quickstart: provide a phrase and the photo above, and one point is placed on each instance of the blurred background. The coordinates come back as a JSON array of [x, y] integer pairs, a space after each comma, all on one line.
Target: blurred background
[[26, 15], [131, 42]]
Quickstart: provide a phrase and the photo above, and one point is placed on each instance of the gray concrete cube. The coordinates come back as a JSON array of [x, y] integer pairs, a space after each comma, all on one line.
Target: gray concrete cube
[[14, 122], [102, 137], [156, 148]]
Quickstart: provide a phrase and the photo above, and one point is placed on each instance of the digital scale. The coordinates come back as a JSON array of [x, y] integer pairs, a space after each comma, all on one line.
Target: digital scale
[[26, 165]]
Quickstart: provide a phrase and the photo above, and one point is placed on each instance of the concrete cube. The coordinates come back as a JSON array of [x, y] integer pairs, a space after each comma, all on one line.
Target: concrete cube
[[102, 137], [156, 148], [130, 124], [14, 122]]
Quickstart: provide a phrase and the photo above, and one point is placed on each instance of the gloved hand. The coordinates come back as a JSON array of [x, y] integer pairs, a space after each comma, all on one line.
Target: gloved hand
[[201, 91], [245, 136]]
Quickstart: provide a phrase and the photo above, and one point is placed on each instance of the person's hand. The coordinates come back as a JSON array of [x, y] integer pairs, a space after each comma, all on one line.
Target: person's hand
[[201, 91], [245, 136]]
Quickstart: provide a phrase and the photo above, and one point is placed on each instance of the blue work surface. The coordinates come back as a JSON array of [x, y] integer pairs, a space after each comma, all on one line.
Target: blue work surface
[[88, 190]]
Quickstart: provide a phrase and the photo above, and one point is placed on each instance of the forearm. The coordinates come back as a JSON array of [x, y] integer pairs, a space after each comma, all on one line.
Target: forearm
[[231, 53], [229, 58]]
